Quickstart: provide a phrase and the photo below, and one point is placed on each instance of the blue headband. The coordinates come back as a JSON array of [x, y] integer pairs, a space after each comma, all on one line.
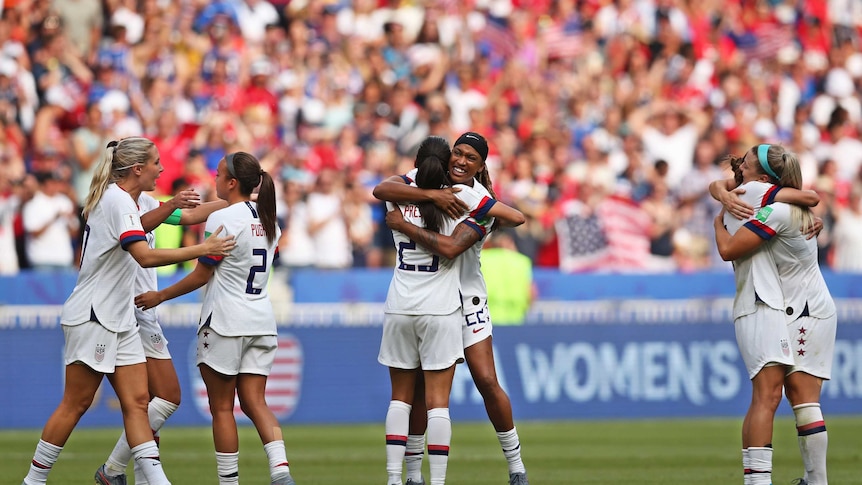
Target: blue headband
[[762, 150]]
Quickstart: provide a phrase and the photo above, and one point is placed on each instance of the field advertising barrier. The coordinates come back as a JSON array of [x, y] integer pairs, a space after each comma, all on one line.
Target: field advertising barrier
[[605, 346]]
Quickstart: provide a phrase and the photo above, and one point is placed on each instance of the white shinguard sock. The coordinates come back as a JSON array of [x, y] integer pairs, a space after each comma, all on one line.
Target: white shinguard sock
[[397, 426], [147, 456], [227, 467], [413, 456], [278, 464], [44, 458], [761, 465], [512, 450], [813, 441], [439, 439], [158, 410]]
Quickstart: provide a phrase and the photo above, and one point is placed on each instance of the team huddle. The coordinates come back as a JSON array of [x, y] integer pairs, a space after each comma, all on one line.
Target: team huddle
[[435, 315]]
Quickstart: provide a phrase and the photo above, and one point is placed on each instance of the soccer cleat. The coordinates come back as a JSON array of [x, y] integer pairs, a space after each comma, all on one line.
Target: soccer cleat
[[800, 481], [102, 478], [410, 481], [288, 480], [518, 479]]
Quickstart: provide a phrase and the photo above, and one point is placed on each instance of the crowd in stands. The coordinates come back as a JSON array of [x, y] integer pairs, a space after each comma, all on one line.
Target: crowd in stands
[[606, 119]]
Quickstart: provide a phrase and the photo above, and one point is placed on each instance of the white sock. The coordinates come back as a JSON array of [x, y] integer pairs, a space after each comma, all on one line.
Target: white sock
[[439, 438], [512, 450], [147, 455], [158, 410], [278, 465], [227, 466], [813, 441], [43, 460], [746, 467], [761, 465], [397, 427], [413, 456]]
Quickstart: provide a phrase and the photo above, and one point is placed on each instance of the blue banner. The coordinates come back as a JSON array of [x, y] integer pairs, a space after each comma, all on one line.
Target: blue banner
[[331, 374]]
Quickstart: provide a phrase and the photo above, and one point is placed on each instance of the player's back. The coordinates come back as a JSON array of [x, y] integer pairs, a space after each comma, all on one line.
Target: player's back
[[423, 283], [236, 300]]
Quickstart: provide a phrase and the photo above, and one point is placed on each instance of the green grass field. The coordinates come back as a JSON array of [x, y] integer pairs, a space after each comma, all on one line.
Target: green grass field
[[680, 451]]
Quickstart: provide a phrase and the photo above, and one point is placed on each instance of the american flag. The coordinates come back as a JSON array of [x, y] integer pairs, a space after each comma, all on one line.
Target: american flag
[[627, 229], [498, 39], [562, 42], [582, 242], [769, 39]]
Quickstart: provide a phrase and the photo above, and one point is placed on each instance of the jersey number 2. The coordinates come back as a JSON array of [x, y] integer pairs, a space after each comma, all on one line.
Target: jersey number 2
[[249, 287]]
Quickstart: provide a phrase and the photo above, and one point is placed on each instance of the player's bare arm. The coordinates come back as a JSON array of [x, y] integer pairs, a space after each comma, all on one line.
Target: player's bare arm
[[194, 280], [462, 238], [199, 214], [803, 198], [213, 245], [727, 193], [733, 247], [186, 199], [394, 189], [508, 216]]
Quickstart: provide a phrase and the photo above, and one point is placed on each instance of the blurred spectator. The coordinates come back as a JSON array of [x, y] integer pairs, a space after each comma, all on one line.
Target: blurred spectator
[[696, 207], [296, 246], [847, 235], [509, 277], [9, 204], [326, 222], [89, 143], [50, 222]]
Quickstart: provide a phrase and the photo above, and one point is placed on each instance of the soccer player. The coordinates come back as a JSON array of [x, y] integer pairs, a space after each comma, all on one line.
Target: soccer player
[[784, 315], [466, 165], [237, 335], [164, 386], [98, 317]]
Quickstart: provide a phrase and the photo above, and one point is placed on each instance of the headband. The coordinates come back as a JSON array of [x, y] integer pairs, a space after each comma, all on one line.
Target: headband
[[762, 150], [476, 141], [229, 161]]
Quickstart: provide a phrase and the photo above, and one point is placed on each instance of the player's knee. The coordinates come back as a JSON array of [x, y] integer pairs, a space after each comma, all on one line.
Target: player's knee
[[487, 384]]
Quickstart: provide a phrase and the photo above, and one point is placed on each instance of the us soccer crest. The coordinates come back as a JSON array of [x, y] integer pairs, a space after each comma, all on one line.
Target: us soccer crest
[[100, 352], [785, 347], [283, 385], [158, 341]]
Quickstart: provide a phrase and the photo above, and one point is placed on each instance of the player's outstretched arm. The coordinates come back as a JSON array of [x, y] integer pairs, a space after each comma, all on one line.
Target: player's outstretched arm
[[507, 215], [394, 189], [213, 245], [192, 281], [462, 238], [199, 214], [803, 198], [186, 199]]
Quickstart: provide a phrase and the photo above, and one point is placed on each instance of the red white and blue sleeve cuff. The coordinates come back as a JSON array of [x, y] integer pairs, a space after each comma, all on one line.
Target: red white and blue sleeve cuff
[[765, 232], [130, 237]]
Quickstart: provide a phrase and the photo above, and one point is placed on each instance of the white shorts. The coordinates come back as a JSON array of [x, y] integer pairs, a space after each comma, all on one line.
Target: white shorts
[[430, 341], [763, 339], [155, 343], [236, 355], [813, 343], [101, 349], [477, 327]]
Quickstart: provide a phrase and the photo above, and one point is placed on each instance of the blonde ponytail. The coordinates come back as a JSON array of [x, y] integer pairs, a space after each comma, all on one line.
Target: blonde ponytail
[[119, 157]]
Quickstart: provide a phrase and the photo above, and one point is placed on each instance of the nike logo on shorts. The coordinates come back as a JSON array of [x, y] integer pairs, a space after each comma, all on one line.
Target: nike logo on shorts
[[477, 330]]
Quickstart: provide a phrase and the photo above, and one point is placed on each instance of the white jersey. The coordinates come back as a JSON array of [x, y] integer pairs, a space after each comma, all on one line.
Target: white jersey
[[104, 292], [756, 275], [474, 293], [146, 279], [805, 291], [236, 302]]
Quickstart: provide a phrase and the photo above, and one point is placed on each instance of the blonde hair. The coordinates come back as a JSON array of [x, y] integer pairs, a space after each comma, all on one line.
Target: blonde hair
[[119, 157], [785, 164]]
